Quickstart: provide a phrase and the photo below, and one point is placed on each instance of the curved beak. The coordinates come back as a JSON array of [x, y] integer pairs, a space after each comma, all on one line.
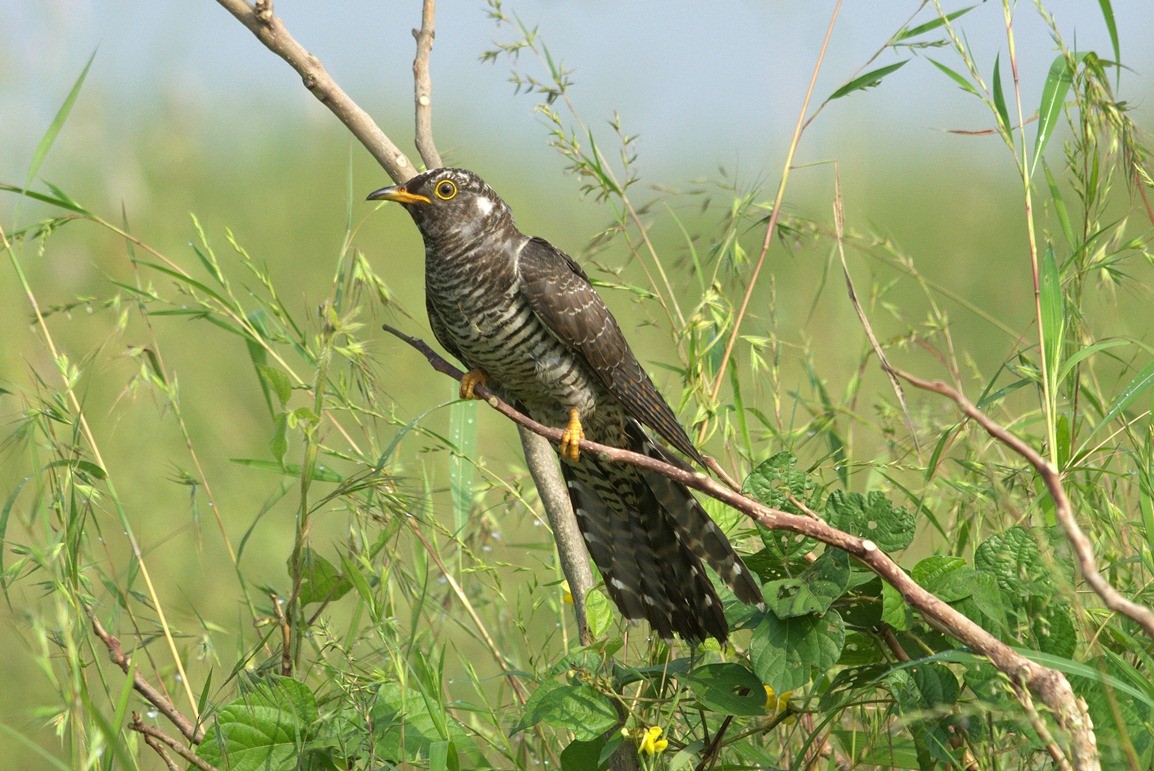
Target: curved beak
[[397, 194]]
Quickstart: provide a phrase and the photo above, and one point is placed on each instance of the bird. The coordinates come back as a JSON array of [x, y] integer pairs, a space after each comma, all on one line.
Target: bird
[[524, 319]]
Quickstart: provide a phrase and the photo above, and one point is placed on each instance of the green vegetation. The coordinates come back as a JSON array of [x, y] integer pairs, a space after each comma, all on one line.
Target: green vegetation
[[325, 560]]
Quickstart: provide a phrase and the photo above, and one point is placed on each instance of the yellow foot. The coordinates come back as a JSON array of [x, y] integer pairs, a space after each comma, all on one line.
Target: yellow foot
[[471, 380], [571, 439]]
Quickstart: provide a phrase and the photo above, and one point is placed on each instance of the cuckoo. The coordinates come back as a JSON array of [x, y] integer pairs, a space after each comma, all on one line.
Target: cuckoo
[[523, 318]]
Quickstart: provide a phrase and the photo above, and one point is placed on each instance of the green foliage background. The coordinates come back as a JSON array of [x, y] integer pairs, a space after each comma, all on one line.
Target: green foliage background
[[936, 241]]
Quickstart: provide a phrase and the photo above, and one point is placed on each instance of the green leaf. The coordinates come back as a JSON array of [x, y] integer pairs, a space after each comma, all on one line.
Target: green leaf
[[405, 728], [463, 438], [277, 381], [872, 516], [868, 80], [443, 757], [57, 124], [278, 444], [1054, 92], [948, 578], [1015, 561], [785, 653], [962, 82], [895, 612], [1053, 630], [1111, 28], [64, 202], [1132, 391], [267, 727], [599, 614], [288, 469], [814, 591], [729, 689], [931, 25], [579, 708], [1053, 307], [1070, 362], [320, 579], [1000, 100], [775, 480], [583, 756], [1060, 208]]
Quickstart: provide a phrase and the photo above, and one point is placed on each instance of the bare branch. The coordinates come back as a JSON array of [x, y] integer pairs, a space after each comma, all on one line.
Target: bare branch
[[154, 736], [261, 21], [153, 696], [1063, 510], [423, 87], [1047, 685]]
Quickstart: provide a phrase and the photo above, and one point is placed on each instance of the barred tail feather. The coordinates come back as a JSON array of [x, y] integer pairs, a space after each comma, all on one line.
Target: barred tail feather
[[649, 537]]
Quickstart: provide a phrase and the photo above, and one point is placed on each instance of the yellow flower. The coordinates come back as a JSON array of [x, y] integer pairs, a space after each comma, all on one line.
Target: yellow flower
[[651, 741], [775, 704], [568, 596]]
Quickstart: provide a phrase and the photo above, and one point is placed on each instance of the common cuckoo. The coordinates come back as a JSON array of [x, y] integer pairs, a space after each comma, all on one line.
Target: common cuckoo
[[523, 318]]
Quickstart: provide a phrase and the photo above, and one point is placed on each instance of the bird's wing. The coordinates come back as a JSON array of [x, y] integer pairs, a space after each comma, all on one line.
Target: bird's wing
[[561, 296]]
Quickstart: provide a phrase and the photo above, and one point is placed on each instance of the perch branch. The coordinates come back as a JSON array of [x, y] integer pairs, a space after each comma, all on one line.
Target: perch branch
[[154, 697], [1063, 510], [262, 22], [1047, 685]]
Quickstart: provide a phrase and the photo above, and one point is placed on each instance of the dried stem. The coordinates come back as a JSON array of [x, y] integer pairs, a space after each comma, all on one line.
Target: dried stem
[[1047, 685], [154, 736]]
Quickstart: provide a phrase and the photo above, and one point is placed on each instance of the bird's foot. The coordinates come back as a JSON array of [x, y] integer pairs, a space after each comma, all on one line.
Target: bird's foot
[[571, 439], [471, 380]]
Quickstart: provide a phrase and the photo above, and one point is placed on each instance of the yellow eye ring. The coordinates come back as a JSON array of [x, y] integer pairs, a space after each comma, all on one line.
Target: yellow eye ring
[[445, 189]]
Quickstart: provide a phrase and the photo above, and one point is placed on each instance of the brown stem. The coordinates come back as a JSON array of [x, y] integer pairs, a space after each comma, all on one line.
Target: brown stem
[[153, 696], [154, 736], [1047, 685], [1063, 510], [260, 21]]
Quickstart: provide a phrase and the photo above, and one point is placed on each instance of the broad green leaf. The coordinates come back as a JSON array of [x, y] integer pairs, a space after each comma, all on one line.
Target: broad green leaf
[[267, 727], [1015, 561], [868, 80], [895, 611], [1054, 92], [1053, 630], [729, 689], [404, 727], [599, 614], [786, 653], [579, 708], [775, 480], [947, 578], [813, 591], [962, 82], [277, 381], [871, 516], [1000, 100], [463, 438], [320, 579], [583, 756], [443, 757]]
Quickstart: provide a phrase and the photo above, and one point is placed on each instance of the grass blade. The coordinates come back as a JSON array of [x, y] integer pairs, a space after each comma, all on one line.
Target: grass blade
[[1053, 97], [868, 80], [57, 123], [463, 437]]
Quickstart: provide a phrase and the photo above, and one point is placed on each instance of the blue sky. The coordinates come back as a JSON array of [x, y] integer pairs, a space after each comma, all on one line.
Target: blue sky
[[703, 84]]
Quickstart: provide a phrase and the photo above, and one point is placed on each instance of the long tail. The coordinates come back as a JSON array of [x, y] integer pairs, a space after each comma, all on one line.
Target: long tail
[[650, 539]]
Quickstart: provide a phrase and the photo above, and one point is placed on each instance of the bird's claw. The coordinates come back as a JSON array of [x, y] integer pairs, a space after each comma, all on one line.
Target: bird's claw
[[571, 438], [471, 380]]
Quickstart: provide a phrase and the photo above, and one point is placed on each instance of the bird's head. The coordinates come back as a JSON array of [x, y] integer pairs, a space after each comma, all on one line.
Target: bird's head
[[453, 204]]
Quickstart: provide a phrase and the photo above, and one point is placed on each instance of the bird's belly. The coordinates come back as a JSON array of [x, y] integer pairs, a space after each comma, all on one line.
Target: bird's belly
[[524, 361]]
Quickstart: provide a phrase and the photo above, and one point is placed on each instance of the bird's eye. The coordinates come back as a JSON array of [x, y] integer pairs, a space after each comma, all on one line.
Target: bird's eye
[[445, 190]]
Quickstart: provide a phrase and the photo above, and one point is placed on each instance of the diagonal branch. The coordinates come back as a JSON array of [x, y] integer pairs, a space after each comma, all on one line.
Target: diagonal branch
[[1047, 685], [1063, 510], [423, 87], [262, 22]]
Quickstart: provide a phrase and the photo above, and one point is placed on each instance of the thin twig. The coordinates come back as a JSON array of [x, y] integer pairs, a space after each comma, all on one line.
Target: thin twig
[[153, 734], [423, 88], [153, 696], [1047, 685], [1063, 510], [269, 30]]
